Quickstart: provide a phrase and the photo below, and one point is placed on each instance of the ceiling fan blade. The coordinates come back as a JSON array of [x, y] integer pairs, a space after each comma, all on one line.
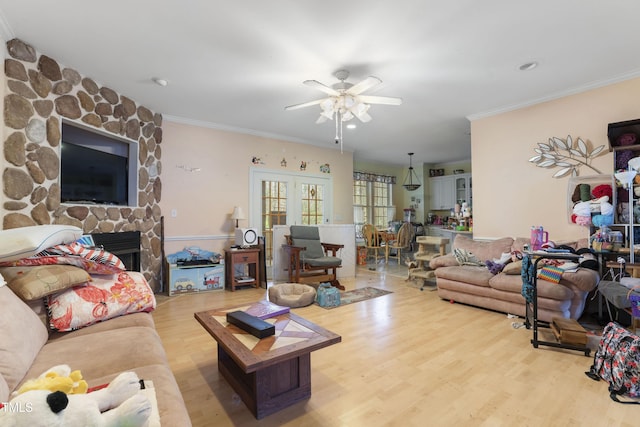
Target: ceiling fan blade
[[365, 84], [380, 100], [322, 87], [304, 104], [321, 119]]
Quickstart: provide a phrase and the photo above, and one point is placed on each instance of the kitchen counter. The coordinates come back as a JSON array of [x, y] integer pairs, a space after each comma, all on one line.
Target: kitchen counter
[[440, 231]]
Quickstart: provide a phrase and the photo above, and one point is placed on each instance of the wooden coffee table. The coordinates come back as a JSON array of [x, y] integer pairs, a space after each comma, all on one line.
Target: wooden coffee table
[[272, 373]]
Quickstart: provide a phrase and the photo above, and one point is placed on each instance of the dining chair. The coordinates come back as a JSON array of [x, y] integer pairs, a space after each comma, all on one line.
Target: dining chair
[[402, 240], [372, 240]]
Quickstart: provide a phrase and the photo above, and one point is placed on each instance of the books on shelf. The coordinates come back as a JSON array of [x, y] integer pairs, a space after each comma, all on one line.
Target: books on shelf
[[266, 309]]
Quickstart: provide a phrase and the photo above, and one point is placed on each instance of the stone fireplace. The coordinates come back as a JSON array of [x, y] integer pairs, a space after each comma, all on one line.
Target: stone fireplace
[[40, 94]]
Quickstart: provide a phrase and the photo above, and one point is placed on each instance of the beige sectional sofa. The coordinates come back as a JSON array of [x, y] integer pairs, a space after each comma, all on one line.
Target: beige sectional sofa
[[100, 352], [477, 286], [87, 293]]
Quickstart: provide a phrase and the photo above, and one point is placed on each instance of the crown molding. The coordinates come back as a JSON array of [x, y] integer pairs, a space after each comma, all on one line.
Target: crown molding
[[245, 131], [571, 91]]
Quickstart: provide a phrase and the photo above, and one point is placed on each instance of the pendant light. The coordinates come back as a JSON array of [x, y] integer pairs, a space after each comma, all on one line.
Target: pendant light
[[409, 183]]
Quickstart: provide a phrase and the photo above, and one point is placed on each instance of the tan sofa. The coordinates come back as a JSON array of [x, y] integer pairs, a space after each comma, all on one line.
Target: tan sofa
[[477, 286], [100, 352]]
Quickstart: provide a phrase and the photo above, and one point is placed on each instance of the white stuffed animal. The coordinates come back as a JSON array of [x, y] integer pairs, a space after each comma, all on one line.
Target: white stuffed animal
[[117, 405]]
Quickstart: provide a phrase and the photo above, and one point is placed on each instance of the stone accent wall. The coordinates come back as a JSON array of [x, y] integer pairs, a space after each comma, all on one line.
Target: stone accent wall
[[40, 94]]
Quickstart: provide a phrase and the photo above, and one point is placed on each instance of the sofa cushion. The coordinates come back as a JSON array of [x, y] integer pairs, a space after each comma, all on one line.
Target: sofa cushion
[[584, 279], [23, 335], [101, 354], [510, 283], [130, 320], [483, 250], [31, 283], [478, 276]]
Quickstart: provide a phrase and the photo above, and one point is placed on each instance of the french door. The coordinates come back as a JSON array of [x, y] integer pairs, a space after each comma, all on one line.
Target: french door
[[283, 197]]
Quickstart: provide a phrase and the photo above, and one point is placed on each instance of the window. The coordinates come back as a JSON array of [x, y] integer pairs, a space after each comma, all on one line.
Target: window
[[381, 203], [371, 203], [312, 204]]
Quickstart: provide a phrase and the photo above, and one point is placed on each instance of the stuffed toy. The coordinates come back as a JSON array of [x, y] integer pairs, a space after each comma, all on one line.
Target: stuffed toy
[[602, 190], [58, 378], [582, 213], [604, 214], [117, 405]]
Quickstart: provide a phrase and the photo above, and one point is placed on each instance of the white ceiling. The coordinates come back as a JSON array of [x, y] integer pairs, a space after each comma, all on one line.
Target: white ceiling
[[236, 64]]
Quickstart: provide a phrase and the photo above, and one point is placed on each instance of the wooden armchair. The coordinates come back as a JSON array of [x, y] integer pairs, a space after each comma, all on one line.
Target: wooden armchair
[[311, 261]]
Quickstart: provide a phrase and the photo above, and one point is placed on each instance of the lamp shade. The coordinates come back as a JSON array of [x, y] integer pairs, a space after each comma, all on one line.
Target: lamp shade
[[411, 182], [238, 213], [626, 177], [634, 164]]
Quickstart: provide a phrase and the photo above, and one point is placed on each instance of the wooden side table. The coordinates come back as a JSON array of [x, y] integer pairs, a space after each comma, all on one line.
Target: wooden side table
[[251, 272]]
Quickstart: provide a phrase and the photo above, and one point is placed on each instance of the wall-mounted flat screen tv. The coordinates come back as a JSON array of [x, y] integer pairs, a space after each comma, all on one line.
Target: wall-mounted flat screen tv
[[94, 168]]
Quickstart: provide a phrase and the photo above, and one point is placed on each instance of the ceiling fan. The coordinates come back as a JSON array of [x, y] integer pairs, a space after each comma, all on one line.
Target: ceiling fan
[[345, 100]]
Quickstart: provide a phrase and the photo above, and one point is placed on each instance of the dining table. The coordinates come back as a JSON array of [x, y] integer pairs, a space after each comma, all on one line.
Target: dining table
[[386, 237]]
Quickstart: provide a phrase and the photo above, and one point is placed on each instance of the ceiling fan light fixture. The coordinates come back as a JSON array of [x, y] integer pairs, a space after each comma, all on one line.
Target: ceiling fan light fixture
[[328, 104], [344, 101], [327, 113], [411, 181], [349, 101]]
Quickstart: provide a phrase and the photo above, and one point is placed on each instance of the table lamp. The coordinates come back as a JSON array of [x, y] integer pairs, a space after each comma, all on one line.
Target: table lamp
[[237, 214]]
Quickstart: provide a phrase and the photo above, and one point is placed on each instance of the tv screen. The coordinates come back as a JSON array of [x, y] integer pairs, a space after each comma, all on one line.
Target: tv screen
[[89, 175]]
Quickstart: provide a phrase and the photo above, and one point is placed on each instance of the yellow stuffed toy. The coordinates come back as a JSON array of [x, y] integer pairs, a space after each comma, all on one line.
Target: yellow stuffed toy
[[59, 378]]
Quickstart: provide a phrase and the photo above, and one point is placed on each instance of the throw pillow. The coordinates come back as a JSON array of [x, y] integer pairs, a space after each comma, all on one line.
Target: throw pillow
[[23, 242], [31, 283], [102, 299], [466, 258], [90, 266], [513, 268]]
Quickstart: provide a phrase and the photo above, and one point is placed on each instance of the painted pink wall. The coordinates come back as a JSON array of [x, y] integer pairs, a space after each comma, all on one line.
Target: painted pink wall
[[205, 199], [509, 193]]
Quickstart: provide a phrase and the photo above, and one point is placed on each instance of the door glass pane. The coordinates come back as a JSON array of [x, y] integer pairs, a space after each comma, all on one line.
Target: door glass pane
[[274, 212], [312, 201]]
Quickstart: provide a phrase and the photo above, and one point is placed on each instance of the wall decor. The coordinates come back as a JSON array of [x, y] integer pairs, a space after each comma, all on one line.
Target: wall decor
[[283, 162], [566, 155], [325, 168], [303, 165]]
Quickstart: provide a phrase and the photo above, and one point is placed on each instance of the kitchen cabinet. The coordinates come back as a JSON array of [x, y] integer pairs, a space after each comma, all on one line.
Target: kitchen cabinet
[[448, 190], [463, 188], [443, 191]]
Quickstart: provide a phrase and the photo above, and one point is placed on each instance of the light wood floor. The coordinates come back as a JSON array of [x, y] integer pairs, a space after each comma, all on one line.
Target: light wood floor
[[406, 359]]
